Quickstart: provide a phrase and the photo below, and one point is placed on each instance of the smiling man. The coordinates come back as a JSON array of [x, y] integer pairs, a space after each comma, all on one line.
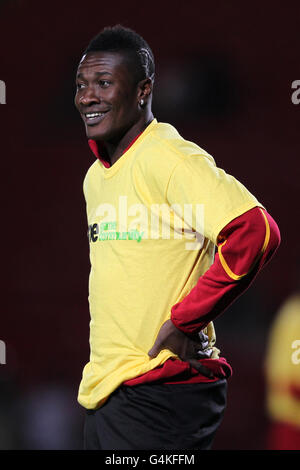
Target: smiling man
[[155, 378], [120, 112]]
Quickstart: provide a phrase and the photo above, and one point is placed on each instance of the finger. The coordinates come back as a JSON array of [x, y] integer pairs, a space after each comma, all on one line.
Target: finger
[[203, 336], [204, 354], [202, 369], [202, 346], [153, 352]]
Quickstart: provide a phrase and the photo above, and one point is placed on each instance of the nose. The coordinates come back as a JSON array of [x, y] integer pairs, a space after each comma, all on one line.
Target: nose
[[88, 97]]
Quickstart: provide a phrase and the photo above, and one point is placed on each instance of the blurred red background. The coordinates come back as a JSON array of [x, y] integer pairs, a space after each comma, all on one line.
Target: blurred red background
[[224, 75]]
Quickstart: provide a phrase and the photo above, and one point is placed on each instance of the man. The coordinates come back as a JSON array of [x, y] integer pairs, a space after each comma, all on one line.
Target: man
[[157, 206]]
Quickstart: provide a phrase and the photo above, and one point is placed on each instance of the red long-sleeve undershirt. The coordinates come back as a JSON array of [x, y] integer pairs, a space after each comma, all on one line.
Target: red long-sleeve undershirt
[[245, 245]]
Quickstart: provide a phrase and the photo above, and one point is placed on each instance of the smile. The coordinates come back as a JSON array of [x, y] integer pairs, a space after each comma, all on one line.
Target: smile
[[93, 118]]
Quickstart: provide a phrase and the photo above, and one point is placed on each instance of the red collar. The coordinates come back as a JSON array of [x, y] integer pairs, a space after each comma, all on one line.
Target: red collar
[[96, 147]]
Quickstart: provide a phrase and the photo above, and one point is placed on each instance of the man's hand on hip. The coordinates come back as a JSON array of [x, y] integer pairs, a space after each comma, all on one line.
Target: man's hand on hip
[[170, 337]]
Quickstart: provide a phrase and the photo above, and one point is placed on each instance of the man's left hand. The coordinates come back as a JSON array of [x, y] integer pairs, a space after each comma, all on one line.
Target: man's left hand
[[187, 349]]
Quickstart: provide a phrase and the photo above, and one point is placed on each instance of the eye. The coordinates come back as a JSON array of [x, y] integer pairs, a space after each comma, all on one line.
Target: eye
[[79, 86], [104, 83]]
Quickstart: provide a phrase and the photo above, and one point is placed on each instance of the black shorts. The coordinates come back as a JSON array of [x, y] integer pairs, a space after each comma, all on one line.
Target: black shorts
[[157, 416]]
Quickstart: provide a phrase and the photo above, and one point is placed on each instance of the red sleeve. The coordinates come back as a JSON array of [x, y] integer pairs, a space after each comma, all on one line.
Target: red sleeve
[[245, 245]]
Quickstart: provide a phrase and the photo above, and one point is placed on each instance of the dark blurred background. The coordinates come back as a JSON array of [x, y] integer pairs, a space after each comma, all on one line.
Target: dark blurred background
[[224, 76]]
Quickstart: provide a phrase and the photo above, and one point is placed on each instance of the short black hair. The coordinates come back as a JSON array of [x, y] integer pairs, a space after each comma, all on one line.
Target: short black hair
[[121, 39]]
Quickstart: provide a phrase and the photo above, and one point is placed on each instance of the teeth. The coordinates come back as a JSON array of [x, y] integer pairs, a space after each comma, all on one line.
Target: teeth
[[92, 115]]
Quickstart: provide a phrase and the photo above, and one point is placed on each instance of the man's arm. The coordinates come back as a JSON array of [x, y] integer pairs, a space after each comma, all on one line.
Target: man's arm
[[245, 245]]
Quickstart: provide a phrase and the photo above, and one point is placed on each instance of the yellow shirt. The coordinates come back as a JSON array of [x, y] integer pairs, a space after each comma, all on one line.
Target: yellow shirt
[[153, 218]]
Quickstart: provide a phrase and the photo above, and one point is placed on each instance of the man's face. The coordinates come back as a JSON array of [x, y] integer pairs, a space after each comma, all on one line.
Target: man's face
[[106, 96]]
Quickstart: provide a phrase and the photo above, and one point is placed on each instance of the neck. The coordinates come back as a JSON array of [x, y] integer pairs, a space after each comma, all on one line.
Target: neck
[[115, 150]]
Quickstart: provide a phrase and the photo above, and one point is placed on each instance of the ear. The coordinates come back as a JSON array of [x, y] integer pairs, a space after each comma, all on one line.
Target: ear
[[145, 89]]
